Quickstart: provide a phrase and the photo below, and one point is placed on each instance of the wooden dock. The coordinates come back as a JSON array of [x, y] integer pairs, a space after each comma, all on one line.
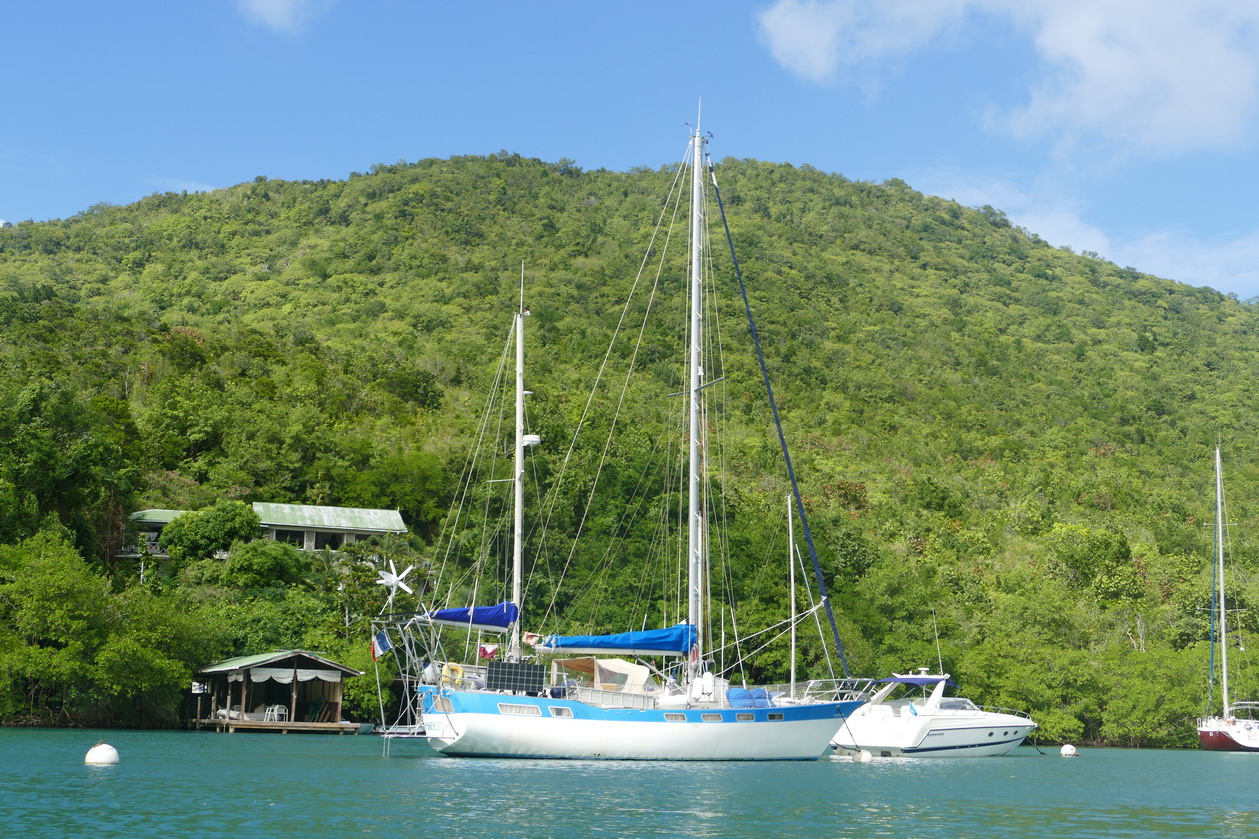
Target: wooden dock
[[284, 726]]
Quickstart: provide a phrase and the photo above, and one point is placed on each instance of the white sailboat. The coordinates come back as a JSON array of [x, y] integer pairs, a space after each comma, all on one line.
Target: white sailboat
[[1236, 728], [594, 698]]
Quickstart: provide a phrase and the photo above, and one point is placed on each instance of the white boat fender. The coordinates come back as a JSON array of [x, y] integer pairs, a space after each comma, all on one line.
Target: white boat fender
[[1068, 750], [101, 754], [702, 689]]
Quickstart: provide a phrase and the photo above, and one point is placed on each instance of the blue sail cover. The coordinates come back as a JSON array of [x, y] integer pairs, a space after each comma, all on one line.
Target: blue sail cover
[[488, 618], [675, 640]]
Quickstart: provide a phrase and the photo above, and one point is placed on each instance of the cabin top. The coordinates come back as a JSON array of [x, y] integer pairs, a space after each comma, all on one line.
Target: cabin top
[[301, 660]]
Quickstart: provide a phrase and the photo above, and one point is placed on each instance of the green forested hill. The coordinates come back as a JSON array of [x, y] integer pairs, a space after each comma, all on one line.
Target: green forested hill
[[1006, 439]]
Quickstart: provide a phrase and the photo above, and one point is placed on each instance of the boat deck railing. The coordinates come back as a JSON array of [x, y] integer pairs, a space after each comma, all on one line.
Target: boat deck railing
[[995, 709], [826, 690], [461, 675]]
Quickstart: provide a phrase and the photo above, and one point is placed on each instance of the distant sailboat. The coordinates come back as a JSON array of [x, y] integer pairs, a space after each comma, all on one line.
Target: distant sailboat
[[593, 699], [1227, 732]]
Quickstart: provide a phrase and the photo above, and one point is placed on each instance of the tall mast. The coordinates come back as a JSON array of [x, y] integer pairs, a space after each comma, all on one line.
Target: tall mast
[[695, 531], [1219, 549], [791, 577], [518, 472]]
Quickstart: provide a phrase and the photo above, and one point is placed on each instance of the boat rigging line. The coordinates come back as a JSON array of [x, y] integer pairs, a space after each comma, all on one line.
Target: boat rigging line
[[782, 439]]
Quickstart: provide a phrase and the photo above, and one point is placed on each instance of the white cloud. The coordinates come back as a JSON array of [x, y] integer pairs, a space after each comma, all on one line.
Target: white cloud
[[1154, 78], [804, 37], [814, 39], [289, 16]]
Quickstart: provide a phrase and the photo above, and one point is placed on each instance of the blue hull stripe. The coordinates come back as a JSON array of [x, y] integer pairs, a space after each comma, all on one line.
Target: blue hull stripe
[[919, 750], [968, 746], [488, 703]]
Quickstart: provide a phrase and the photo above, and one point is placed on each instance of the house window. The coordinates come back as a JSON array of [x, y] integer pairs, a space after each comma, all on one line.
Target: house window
[[327, 540], [293, 537]]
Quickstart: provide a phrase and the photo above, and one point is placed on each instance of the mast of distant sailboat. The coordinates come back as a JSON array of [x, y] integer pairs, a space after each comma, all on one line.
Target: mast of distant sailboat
[[1219, 550]]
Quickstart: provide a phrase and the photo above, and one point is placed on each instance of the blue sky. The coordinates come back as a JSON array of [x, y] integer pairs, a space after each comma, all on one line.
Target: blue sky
[[1123, 127]]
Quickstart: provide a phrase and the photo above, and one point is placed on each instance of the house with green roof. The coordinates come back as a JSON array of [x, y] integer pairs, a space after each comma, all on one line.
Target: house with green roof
[[313, 528], [305, 526]]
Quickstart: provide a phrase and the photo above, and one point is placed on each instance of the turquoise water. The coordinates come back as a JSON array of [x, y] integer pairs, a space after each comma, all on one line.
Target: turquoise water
[[176, 784]]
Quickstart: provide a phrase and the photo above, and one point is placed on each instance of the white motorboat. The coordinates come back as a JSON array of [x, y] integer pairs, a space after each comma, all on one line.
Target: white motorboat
[[909, 716]]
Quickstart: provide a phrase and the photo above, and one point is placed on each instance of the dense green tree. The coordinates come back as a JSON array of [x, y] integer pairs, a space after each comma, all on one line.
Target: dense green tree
[[202, 533], [72, 650], [62, 456], [53, 608], [260, 563]]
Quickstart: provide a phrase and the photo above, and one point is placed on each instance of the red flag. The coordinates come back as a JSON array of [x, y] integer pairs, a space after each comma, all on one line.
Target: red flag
[[488, 651]]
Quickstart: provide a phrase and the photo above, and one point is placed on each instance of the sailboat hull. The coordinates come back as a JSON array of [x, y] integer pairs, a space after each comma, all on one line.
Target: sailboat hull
[[474, 724], [1228, 735]]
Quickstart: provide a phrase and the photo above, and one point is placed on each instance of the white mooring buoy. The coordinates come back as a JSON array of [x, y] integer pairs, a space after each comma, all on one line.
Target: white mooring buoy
[[100, 754], [1068, 750]]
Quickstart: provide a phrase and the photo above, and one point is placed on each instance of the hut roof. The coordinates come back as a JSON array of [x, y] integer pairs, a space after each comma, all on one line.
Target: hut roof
[[293, 658]]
